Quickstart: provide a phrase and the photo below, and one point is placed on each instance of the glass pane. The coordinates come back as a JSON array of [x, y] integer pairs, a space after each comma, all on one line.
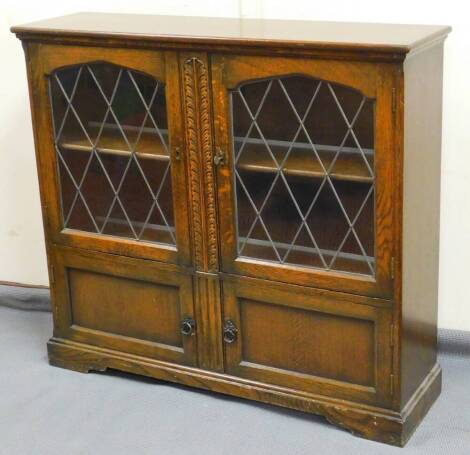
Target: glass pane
[[111, 138], [304, 173]]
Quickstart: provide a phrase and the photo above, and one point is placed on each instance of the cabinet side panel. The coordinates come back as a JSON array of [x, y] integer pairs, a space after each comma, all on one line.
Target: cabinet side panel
[[422, 171], [45, 168]]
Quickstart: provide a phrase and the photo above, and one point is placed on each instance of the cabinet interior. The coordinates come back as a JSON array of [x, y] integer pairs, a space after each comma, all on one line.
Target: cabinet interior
[[111, 136], [303, 151]]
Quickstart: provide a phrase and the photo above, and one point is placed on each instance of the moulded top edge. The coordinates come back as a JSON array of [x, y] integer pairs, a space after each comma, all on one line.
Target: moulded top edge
[[349, 36]]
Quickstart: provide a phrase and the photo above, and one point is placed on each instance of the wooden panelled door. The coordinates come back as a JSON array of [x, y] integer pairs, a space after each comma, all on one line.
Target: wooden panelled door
[[319, 342], [304, 185], [110, 153]]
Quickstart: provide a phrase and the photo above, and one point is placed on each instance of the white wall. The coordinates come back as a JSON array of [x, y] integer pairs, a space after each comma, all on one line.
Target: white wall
[[22, 255]]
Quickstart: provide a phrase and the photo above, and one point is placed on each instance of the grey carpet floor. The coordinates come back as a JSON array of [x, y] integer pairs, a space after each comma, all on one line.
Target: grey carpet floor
[[47, 410]]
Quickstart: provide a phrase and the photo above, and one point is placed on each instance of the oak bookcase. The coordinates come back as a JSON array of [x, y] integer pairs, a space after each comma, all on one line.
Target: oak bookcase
[[245, 206]]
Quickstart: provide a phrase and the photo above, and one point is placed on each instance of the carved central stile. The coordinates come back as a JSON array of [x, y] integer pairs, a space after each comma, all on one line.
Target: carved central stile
[[201, 174]]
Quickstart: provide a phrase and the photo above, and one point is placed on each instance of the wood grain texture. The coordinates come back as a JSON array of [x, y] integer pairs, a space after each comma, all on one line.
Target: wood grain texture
[[199, 145], [422, 110], [47, 59], [360, 350], [301, 164], [372, 80], [370, 422], [126, 307], [344, 347], [115, 302], [208, 306], [275, 327], [192, 146], [111, 143], [33, 69], [360, 37]]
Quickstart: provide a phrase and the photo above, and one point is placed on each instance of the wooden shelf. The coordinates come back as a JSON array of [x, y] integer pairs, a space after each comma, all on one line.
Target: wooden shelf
[[302, 162], [307, 256], [112, 142], [281, 246]]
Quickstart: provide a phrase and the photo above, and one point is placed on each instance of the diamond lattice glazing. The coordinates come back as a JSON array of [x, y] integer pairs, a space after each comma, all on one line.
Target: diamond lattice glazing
[[111, 139], [304, 183]]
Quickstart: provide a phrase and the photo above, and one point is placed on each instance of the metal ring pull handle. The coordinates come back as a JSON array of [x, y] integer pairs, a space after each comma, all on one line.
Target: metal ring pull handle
[[230, 331], [188, 326]]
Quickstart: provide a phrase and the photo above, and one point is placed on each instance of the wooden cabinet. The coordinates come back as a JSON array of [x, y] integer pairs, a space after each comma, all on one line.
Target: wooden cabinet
[[246, 206]]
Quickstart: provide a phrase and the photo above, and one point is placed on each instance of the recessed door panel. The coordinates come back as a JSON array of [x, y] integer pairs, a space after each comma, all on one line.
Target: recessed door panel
[[329, 346], [131, 305], [127, 307], [318, 342]]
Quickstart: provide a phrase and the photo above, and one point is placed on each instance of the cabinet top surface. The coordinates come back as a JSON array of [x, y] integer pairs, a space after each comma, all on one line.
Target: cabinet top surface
[[233, 31]]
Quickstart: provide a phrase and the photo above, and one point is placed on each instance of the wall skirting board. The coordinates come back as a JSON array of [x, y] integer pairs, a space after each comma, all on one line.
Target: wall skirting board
[[37, 298], [25, 297]]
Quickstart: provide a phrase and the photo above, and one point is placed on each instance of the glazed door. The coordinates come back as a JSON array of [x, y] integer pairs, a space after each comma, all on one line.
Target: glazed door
[[304, 159], [110, 150]]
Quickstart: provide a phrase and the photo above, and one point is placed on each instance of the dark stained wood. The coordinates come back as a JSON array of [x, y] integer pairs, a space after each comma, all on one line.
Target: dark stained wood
[[207, 297], [124, 303], [201, 186], [108, 304], [238, 32], [111, 143], [373, 81], [359, 350], [237, 69], [376, 423], [268, 330], [196, 95], [421, 203], [47, 59], [274, 328], [302, 163]]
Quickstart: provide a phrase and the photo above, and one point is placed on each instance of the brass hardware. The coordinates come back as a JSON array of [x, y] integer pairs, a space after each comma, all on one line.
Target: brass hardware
[[188, 326], [177, 153], [230, 331], [219, 157]]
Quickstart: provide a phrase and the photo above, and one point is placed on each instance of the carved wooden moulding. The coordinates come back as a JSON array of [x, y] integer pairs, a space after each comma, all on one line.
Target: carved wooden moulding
[[237, 205]]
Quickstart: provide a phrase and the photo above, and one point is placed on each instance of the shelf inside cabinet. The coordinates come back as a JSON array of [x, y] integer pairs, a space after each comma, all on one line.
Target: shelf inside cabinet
[[302, 162], [149, 145], [308, 256]]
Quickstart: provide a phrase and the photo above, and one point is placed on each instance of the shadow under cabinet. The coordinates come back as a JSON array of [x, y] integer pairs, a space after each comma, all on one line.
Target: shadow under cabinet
[[245, 206]]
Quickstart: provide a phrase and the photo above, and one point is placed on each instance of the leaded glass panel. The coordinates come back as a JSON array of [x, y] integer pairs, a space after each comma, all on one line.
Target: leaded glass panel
[[304, 173], [111, 139]]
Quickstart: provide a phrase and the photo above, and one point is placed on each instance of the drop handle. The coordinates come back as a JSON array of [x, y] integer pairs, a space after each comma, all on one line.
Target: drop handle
[[188, 326], [230, 332]]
